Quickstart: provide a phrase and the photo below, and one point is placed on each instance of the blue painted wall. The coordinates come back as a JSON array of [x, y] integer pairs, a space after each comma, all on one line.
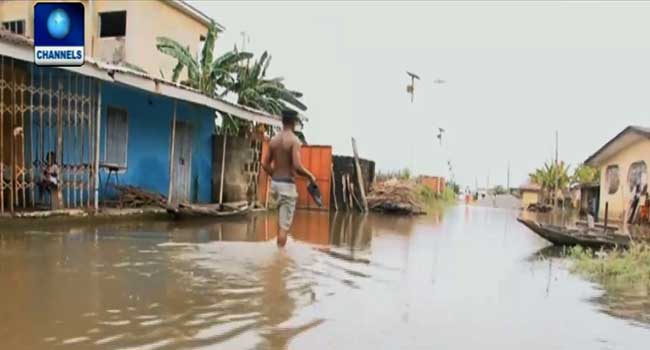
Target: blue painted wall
[[149, 130]]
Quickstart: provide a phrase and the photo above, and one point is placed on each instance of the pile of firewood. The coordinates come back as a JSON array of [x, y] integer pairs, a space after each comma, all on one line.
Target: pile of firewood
[[395, 196], [134, 197]]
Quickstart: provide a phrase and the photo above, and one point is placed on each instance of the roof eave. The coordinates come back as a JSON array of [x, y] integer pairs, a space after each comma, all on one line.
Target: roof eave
[[195, 13], [593, 159], [105, 72]]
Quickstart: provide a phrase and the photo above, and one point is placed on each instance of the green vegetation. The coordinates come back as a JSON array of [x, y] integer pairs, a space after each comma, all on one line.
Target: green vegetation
[[212, 77], [552, 177], [228, 73], [433, 201], [255, 90], [454, 186], [555, 180], [498, 189], [619, 268], [404, 174], [585, 174]]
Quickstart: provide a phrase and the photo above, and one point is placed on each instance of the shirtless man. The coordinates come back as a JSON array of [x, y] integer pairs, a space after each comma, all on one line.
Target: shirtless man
[[282, 163]]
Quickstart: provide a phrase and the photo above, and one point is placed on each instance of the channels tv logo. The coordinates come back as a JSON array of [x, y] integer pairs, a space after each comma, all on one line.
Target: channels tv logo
[[59, 34]]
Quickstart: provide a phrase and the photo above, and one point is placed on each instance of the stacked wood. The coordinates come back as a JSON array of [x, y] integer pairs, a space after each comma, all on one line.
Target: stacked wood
[[135, 197], [395, 196]]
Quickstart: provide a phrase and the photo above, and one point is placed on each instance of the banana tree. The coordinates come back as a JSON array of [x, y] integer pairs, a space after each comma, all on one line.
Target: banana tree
[[211, 76], [255, 90]]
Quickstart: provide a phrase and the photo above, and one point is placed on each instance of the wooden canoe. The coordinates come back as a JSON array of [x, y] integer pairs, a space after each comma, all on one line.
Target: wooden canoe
[[207, 210], [563, 236]]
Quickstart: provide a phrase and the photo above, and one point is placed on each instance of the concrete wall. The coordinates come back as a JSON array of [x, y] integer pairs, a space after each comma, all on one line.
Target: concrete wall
[[18, 10], [242, 168], [149, 140], [146, 20], [620, 200]]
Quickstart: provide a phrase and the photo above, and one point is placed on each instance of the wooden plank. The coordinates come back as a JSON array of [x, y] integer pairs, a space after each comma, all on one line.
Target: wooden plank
[[170, 194], [343, 197], [362, 190], [333, 190]]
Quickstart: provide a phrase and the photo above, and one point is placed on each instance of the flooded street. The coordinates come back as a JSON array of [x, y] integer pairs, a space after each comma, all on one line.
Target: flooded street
[[467, 278]]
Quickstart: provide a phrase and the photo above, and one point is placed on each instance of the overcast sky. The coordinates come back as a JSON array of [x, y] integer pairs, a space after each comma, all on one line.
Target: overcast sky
[[514, 72]]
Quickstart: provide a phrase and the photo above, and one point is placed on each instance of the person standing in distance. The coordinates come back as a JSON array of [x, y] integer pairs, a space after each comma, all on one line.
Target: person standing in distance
[[283, 164]]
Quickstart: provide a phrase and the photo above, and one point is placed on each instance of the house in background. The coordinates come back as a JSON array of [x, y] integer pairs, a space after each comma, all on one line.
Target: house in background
[[124, 32], [530, 193], [622, 162]]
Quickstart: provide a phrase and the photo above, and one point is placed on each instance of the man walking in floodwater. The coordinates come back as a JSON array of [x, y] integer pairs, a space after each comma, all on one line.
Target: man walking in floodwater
[[282, 163]]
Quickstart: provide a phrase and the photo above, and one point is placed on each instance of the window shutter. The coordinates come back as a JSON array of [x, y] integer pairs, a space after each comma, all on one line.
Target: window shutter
[[116, 136]]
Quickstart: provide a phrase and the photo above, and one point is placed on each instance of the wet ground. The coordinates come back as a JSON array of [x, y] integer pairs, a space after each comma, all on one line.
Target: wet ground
[[471, 277]]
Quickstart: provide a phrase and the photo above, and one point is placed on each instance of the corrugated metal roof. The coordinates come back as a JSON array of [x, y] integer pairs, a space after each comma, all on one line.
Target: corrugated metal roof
[[21, 48]]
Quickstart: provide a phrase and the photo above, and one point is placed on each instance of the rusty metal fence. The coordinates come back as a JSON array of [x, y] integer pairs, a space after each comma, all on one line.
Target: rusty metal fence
[[46, 115]]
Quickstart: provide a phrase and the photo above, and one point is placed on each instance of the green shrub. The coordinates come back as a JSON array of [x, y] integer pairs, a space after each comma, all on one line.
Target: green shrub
[[631, 266]]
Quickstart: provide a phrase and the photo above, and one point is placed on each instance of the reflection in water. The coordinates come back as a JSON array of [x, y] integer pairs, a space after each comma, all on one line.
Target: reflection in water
[[345, 281]]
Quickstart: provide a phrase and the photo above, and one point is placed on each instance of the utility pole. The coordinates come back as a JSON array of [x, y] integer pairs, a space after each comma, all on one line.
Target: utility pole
[[557, 168], [411, 88], [508, 179], [556, 146]]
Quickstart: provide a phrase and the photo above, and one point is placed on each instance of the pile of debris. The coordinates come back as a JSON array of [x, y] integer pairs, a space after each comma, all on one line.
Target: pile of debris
[[395, 196], [134, 197]]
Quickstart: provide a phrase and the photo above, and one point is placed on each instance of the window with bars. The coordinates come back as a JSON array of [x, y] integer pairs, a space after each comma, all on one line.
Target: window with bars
[[117, 132], [17, 27]]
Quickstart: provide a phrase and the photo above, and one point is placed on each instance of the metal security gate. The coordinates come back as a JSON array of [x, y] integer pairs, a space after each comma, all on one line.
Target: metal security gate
[[46, 114]]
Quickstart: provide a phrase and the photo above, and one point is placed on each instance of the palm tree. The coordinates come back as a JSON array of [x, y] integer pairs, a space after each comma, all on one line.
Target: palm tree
[[255, 90], [585, 174], [552, 177], [204, 74]]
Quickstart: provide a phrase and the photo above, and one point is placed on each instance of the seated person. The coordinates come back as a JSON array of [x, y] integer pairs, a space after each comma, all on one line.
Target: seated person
[[50, 178]]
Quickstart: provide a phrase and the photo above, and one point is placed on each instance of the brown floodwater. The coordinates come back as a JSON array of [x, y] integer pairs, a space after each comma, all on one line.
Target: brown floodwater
[[467, 278]]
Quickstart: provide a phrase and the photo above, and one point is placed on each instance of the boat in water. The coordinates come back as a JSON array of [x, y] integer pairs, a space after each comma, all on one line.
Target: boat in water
[[186, 210], [589, 238]]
